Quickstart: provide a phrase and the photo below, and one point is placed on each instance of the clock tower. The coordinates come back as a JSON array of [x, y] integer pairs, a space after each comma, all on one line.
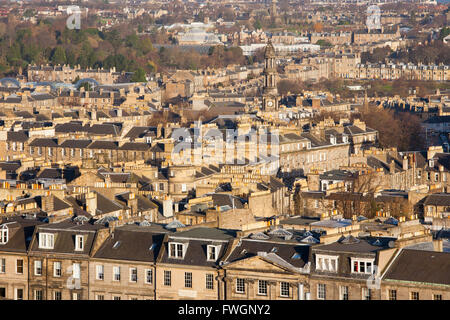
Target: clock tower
[[270, 91]]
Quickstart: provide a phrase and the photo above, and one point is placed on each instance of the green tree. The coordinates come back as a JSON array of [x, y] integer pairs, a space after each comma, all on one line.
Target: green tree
[[139, 75], [444, 32], [257, 25], [58, 56]]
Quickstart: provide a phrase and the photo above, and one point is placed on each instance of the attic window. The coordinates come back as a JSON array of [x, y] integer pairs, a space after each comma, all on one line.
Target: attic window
[[116, 245], [213, 252], [4, 234], [176, 250], [274, 249], [79, 242], [46, 240]]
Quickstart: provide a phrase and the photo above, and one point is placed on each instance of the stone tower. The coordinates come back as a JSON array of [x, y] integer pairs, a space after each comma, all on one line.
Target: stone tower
[[270, 91]]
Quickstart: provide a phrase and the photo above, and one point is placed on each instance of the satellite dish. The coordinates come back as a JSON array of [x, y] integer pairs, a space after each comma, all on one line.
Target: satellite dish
[[391, 244]]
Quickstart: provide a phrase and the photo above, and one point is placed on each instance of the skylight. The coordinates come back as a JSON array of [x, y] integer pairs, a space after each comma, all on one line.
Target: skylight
[[116, 245]]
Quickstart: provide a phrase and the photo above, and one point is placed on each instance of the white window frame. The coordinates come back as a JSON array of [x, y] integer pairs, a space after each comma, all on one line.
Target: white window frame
[[99, 272], [167, 275], [343, 291], [115, 273], [46, 240], [175, 253], [188, 280], [41, 294], [76, 271], [325, 263], [149, 272], [321, 286], [213, 249], [2, 265], [132, 270], [38, 265], [55, 269], [366, 262], [240, 283], [392, 294], [4, 234], [411, 295], [79, 242], [282, 289], [54, 295], [76, 296], [367, 294], [16, 295], [265, 291], [209, 281]]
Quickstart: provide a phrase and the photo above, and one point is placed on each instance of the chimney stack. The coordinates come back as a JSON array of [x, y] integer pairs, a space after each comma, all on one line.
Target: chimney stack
[[91, 203], [438, 245], [405, 163], [392, 167], [167, 207]]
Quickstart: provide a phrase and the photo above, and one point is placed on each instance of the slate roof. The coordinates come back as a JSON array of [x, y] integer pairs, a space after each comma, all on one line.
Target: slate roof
[[135, 146], [44, 142], [70, 127], [105, 129], [10, 166], [437, 199], [295, 254], [65, 239], [137, 132], [98, 144], [18, 136], [20, 232], [420, 266], [105, 205], [75, 143], [133, 243], [363, 246]]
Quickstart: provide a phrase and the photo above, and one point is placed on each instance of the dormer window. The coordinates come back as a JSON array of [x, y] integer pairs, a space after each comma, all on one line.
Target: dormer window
[[363, 266], [46, 240], [213, 252], [79, 243], [326, 263], [333, 139], [4, 234], [345, 138], [176, 250]]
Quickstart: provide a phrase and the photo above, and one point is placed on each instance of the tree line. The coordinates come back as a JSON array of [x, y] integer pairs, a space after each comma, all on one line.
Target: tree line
[[52, 42]]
